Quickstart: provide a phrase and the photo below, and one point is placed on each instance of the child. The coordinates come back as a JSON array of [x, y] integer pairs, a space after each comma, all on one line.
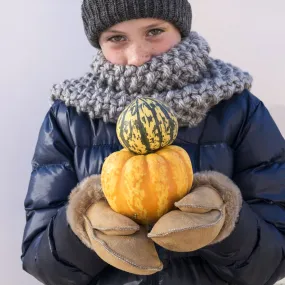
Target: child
[[146, 48]]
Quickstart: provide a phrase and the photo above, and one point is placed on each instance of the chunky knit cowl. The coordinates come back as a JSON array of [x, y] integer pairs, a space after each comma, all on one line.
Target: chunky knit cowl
[[186, 78]]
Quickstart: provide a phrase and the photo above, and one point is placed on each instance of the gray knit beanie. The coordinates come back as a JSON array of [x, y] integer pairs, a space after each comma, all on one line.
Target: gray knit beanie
[[99, 15]]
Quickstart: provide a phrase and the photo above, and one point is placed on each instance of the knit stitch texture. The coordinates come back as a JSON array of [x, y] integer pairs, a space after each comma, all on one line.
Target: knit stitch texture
[[186, 78], [99, 15]]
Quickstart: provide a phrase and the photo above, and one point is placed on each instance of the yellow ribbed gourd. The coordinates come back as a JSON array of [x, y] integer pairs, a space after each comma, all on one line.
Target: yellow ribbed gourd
[[146, 125], [145, 187]]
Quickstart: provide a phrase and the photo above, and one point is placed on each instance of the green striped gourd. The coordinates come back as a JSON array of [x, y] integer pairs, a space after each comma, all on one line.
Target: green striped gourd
[[146, 125]]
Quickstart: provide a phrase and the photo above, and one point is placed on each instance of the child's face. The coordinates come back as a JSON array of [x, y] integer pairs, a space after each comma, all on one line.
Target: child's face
[[135, 42]]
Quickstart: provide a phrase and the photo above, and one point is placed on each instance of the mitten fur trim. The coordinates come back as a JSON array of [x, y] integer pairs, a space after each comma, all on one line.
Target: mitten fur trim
[[81, 198], [230, 194]]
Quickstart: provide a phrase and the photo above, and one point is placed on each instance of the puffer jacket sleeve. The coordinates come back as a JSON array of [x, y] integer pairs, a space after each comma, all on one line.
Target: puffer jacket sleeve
[[51, 252], [254, 253]]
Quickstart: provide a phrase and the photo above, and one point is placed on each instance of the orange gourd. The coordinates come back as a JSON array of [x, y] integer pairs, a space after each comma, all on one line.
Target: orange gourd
[[145, 187]]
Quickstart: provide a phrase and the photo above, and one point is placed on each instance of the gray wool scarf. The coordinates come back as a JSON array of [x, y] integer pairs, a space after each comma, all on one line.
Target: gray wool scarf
[[186, 78]]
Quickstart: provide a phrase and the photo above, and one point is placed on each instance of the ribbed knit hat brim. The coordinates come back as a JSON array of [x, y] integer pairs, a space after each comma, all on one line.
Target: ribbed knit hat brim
[[99, 15]]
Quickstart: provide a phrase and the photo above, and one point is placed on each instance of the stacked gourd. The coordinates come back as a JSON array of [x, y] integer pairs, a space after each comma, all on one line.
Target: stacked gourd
[[146, 178]]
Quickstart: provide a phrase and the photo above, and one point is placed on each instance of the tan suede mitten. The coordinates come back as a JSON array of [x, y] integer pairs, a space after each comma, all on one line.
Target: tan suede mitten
[[116, 239], [205, 216]]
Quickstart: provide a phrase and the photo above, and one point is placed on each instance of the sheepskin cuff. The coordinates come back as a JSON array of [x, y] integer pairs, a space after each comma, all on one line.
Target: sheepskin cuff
[[85, 194], [230, 194]]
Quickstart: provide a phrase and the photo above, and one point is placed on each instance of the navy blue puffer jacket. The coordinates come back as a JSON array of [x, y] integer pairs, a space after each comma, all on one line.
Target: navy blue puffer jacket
[[237, 138]]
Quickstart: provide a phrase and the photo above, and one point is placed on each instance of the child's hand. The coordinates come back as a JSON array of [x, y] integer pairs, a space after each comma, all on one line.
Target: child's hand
[[119, 241], [116, 239], [205, 216]]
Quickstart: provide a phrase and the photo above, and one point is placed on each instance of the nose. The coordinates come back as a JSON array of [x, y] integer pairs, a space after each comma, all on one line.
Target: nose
[[138, 55]]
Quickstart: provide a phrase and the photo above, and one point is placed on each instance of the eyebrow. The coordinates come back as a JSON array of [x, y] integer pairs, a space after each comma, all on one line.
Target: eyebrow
[[143, 28]]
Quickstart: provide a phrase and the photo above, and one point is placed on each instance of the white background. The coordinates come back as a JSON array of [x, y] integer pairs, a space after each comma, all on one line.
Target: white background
[[42, 42]]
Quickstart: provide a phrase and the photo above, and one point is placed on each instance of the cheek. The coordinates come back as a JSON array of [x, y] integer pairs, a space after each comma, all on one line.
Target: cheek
[[114, 56], [166, 44]]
